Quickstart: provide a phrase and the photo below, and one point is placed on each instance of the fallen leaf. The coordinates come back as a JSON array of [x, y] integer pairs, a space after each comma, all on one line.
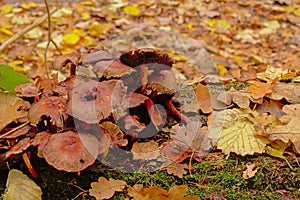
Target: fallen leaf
[[105, 189], [175, 168], [19, 186], [234, 131], [145, 151], [71, 38], [204, 99], [288, 91], [290, 129], [187, 141], [13, 107], [250, 172], [113, 133], [132, 10], [259, 89], [9, 79]]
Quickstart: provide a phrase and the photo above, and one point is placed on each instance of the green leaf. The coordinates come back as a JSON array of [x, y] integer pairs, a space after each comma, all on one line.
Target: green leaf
[[9, 79], [21, 187]]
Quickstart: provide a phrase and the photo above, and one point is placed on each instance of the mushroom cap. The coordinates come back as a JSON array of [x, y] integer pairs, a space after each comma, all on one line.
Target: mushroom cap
[[91, 101], [71, 151], [52, 106]]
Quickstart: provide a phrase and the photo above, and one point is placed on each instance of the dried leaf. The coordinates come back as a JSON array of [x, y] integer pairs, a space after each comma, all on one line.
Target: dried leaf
[[288, 91], [204, 99], [175, 168], [105, 189], [145, 151], [187, 141], [13, 107], [113, 133], [19, 186], [132, 10], [290, 129], [259, 89], [234, 131], [250, 172]]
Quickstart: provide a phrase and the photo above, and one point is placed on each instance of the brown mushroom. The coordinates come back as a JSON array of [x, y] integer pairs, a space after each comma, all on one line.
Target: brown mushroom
[[52, 106], [71, 151], [91, 101]]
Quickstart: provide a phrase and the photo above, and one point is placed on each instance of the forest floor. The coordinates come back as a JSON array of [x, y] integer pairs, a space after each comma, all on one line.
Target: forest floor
[[241, 38]]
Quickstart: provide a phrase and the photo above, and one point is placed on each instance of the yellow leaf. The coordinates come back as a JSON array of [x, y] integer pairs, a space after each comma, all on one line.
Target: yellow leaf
[[15, 63], [211, 23], [222, 69], [6, 31], [132, 10], [96, 29], [34, 33], [79, 32], [234, 132], [6, 9], [189, 26], [28, 5], [71, 38], [224, 23], [297, 12], [85, 16]]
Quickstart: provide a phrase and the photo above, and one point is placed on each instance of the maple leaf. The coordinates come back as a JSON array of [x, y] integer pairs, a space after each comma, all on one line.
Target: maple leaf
[[234, 130], [186, 141], [105, 189]]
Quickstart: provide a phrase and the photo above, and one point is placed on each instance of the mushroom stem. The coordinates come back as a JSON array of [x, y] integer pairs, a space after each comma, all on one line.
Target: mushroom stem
[[176, 113], [29, 166]]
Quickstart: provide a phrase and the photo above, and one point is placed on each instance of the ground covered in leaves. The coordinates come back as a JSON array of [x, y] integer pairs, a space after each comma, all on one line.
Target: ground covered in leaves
[[235, 65]]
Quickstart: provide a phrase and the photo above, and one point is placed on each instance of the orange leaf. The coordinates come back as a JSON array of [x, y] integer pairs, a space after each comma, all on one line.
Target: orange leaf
[[203, 97], [259, 89]]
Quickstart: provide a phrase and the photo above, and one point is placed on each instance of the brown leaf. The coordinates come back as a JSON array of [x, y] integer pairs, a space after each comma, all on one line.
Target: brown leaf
[[105, 189], [53, 106], [178, 192], [273, 107], [13, 107], [175, 168], [145, 150], [113, 133], [203, 97], [250, 172], [26, 90], [63, 60], [186, 141], [288, 91], [259, 89]]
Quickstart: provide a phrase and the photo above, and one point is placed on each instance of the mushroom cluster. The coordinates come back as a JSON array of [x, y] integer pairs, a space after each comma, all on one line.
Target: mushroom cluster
[[109, 100]]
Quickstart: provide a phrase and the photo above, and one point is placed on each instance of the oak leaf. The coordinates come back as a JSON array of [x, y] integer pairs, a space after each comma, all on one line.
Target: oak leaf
[[250, 172], [175, 168], [259, 89], [145, 151], [105, 189]]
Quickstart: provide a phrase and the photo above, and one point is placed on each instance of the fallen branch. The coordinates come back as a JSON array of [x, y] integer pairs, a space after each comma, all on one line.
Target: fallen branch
[[25, 30]]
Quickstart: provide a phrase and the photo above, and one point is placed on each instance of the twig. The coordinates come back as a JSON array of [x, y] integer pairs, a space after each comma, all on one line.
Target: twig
[[50, 40], [24, 31], [13, 130]]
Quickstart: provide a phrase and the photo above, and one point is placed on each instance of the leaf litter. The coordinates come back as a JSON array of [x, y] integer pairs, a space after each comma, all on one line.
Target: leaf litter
[[246, 126]]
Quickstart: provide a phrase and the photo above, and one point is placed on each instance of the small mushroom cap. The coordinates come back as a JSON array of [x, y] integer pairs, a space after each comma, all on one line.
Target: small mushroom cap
[[52, 106], [91, 101], [71, 151]]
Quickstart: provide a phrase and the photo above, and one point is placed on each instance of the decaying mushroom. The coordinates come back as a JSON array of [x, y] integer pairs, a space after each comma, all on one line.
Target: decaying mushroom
[[71, 151], [52, 106]]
